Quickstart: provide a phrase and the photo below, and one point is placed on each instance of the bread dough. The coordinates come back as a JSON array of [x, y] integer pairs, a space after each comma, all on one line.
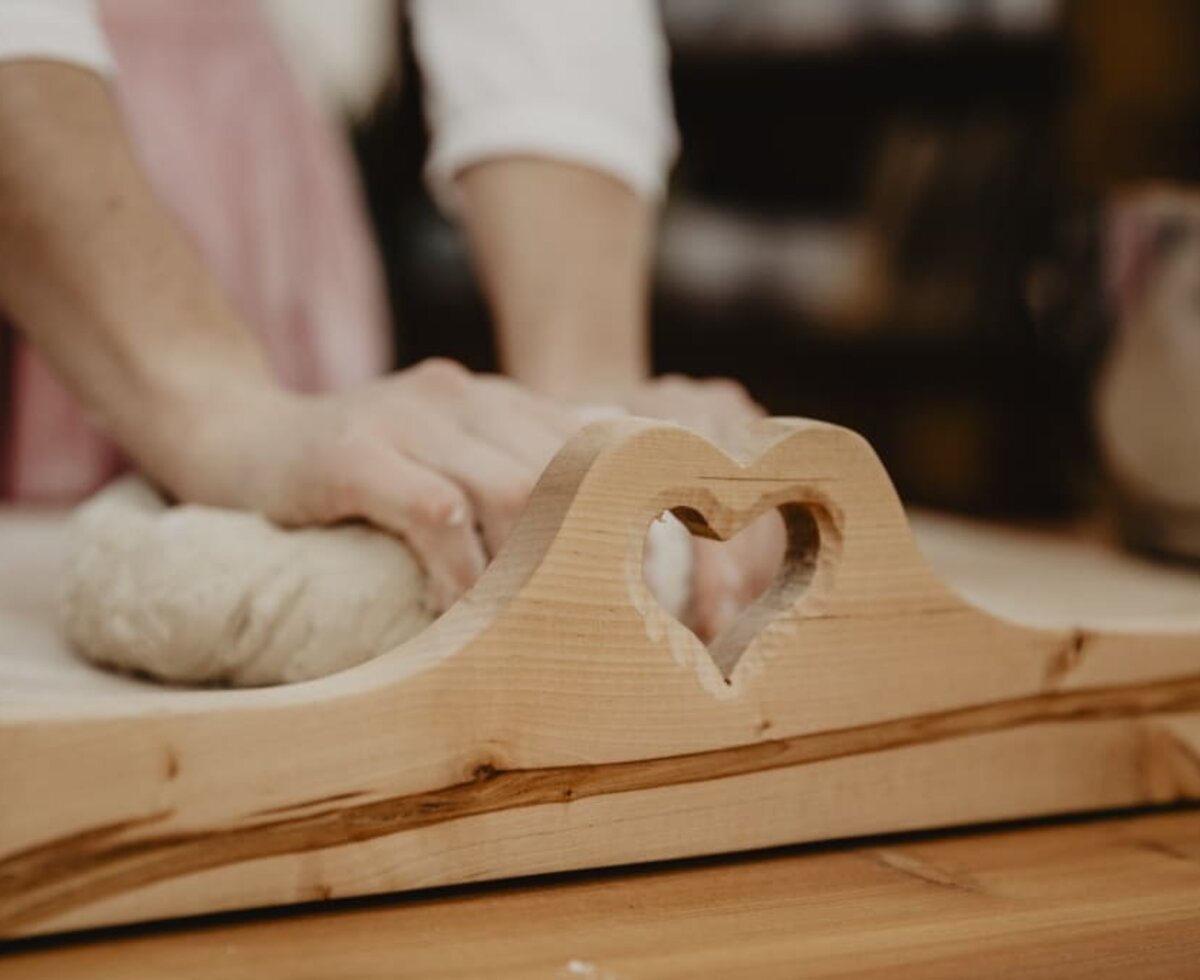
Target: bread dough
[[200, 594], [194, 594]]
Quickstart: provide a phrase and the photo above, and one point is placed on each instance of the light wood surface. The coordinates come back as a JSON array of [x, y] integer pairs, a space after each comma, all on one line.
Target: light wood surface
[[557, 718], [1106, 899]]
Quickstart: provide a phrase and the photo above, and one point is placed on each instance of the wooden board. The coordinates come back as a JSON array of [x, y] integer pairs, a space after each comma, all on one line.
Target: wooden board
[[557, 718], [1108, 899]]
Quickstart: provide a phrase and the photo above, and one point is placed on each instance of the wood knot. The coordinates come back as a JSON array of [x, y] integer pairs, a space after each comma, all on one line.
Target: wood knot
[[1066, 658]]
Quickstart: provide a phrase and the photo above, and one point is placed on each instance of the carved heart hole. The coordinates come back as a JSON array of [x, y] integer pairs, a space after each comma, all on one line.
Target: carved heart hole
[[783, 543]]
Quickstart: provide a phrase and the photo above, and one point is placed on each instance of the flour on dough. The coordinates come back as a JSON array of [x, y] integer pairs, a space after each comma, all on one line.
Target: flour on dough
[[194, 594]]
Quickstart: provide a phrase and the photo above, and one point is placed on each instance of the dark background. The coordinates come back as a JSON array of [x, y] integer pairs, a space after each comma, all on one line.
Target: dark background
[[893, 226]]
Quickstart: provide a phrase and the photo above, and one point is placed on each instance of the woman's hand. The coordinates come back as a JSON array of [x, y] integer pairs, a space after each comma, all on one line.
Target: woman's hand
[[728, 576], [439, 455]]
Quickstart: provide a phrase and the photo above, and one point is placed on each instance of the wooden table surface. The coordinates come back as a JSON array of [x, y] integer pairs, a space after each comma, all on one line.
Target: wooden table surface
[[1115, 896]]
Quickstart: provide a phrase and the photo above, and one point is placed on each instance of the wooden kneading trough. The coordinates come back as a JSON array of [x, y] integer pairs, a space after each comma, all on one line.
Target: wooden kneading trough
[[557, 718]]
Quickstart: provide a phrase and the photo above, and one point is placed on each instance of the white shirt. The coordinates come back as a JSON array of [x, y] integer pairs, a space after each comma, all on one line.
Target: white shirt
[[65, 30], [577, 80]]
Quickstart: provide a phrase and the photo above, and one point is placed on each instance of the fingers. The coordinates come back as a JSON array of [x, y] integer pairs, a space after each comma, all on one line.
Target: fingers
[[516, 422], [432, 514], [717, 408], [448, 460], [758, 553], [485, 434], [495, 410], [730, 576], [496, 483], [717, 584]]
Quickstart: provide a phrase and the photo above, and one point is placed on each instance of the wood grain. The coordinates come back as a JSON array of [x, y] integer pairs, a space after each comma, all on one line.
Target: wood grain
[[66, 873], [1107, 899], [558, 718]]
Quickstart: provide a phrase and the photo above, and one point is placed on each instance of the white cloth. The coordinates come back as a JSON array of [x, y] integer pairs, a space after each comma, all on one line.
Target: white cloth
[[578, 80], [61, 30]]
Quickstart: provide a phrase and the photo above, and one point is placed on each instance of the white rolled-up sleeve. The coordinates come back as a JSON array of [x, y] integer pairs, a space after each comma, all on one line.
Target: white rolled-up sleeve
[[59, 30], [578, 80]]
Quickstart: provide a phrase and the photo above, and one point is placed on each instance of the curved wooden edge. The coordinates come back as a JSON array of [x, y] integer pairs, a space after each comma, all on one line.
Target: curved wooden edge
[[559, 666], [849, 543], [597, 499], [566, 598], [584, 531]]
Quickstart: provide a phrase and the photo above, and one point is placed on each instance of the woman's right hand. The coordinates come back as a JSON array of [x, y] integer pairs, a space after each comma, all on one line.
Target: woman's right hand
[[436, 454], [114, 296]]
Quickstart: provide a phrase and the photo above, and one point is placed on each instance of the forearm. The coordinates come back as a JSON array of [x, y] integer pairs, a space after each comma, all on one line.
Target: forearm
[[106, 285], [563, 253], [100, 277]]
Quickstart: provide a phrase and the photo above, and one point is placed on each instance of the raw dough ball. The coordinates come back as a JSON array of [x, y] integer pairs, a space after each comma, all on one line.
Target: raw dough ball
[[195, 594], [199, 594]]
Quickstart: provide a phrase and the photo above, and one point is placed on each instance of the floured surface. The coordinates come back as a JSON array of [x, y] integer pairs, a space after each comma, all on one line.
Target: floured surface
[[35, 662], [1043, 578], [1032, 577]]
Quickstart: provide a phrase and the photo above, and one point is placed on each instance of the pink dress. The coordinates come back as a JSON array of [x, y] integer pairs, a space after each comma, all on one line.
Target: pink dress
[[264, 185]]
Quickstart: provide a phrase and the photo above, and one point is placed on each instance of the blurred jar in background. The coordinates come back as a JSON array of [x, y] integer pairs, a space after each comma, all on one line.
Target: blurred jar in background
[[1147, 396]]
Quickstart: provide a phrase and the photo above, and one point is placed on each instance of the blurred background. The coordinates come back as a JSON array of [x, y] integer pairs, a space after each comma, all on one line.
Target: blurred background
[[887, 214]]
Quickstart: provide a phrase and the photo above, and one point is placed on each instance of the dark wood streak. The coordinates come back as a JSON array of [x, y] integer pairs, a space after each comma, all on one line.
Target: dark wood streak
[[308, 804], [57, 876], [48, 852]]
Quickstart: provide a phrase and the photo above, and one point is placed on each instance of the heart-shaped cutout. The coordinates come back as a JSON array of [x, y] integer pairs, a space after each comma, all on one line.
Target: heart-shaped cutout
[[726, 579]]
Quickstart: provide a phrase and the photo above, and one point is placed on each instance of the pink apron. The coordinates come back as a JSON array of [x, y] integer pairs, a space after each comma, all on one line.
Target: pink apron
[[265, 187]]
